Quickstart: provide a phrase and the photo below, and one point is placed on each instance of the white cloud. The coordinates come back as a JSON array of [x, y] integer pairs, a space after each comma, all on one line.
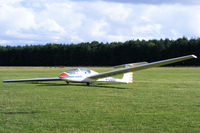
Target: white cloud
[[194, 21], [13, 21], [155, 2], [16, 17], [113, 11], [4, 42], [98, 29], [9, 2], [69, 21]]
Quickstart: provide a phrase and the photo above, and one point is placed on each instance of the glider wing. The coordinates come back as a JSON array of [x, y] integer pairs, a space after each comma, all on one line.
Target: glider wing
[[141, 67], [30, 80]]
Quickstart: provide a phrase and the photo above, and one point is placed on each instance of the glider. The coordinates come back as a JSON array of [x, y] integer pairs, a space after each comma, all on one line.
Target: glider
[[81, 75]]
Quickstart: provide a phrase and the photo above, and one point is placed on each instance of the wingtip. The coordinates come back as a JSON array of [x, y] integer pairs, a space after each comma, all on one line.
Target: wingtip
[[194, 56]]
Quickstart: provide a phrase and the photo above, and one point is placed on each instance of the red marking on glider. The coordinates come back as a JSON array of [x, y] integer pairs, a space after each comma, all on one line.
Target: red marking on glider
[[63, 75]]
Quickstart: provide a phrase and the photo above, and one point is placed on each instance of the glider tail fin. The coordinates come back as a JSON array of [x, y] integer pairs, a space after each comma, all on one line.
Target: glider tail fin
[[128, 77]]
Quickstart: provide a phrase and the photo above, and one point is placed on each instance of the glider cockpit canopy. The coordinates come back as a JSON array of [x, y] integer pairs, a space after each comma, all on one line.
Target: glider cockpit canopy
[[78, 71]]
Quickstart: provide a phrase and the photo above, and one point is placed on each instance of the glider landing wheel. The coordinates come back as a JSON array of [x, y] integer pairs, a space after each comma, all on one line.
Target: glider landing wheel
[[88, 83], [67, 82]]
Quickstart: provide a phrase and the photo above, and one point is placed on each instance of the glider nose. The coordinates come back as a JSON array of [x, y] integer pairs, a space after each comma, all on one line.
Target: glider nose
[[63, 74]]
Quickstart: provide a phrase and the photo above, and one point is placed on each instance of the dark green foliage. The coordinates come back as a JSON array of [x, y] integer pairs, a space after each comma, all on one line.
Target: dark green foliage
[[100, 54]]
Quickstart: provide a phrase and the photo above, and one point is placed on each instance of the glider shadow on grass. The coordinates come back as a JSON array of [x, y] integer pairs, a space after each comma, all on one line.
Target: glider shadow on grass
[[96, 85], [20, 113]]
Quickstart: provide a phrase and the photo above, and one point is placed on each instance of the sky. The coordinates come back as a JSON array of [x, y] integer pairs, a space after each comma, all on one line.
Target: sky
[[73, 21]]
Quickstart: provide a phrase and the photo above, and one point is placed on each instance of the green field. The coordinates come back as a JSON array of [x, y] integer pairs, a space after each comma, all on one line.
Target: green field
[[160, 100]]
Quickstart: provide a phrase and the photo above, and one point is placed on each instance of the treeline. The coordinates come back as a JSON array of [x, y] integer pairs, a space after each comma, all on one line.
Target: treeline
[[100, 54]]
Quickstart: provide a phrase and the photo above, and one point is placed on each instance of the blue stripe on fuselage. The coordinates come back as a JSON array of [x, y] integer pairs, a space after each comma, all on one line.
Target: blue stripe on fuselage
[[66, 77]]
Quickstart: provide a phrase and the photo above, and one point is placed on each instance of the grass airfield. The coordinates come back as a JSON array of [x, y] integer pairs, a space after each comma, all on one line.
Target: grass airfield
[[160, 100]]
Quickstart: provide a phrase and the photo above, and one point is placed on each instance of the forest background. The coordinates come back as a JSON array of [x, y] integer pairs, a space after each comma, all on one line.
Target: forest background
[[100, 54]]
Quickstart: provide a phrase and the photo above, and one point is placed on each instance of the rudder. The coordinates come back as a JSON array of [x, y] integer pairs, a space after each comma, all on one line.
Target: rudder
[[128, 77]]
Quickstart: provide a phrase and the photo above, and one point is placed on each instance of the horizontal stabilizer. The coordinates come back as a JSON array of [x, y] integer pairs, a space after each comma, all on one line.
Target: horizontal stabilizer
[[130, 64]]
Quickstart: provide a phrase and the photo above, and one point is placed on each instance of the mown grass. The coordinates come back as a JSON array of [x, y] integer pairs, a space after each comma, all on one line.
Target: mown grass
[[159, 100]]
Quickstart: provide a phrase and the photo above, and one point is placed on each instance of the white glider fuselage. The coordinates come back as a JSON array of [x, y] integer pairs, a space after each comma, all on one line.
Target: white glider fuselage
[[81, 75], [77, 75]]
